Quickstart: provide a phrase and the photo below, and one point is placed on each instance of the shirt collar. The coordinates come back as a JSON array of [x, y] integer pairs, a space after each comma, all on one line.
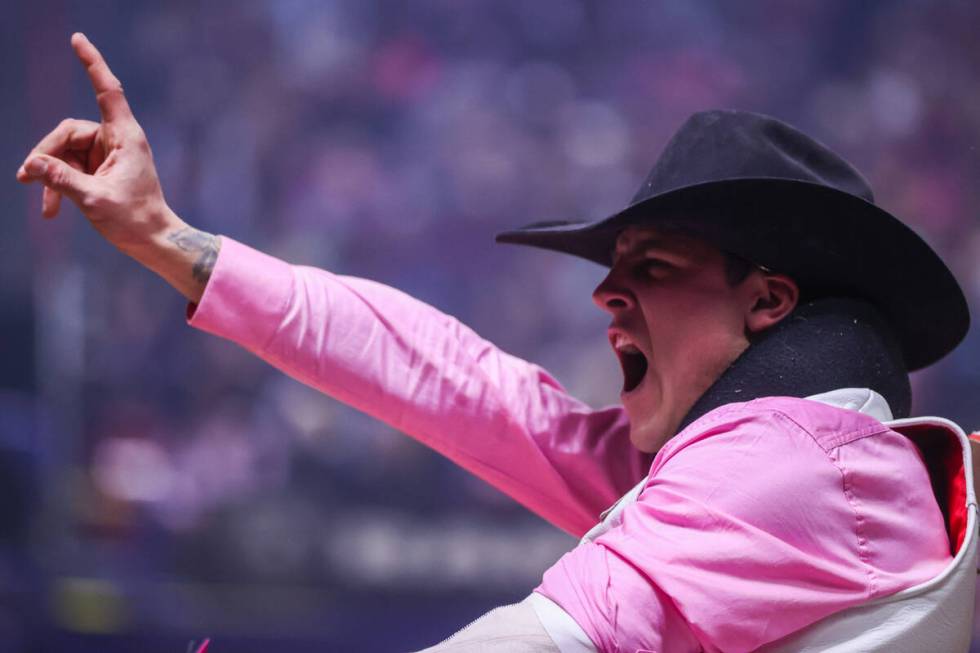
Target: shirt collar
[[863, 400]]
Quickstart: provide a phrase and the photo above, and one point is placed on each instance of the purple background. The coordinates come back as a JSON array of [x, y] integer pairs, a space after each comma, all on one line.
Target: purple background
[[160, 484]]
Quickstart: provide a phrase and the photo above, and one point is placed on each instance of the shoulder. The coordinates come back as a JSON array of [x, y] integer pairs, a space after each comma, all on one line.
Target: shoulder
[[780, 420], [755, 472], [763, 456]]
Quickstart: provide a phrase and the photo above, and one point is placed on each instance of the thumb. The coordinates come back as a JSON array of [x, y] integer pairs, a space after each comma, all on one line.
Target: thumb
[[59, 176]]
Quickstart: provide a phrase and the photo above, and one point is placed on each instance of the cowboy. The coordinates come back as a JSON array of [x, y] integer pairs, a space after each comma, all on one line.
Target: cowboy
[[762, 487]]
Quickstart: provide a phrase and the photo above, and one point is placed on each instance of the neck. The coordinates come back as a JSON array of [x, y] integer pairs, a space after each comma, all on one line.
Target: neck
[[824, 344]]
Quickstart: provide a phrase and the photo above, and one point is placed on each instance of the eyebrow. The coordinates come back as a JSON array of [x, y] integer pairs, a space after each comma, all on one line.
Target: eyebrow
[[647, 243]]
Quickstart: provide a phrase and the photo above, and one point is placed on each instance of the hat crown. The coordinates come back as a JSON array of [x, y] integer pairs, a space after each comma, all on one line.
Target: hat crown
[[720, 145]]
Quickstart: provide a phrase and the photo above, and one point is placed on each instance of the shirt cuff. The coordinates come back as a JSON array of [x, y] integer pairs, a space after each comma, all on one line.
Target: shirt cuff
[[245, 297]]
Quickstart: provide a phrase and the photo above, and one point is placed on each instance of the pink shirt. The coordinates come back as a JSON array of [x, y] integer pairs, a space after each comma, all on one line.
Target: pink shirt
[[757, 520]]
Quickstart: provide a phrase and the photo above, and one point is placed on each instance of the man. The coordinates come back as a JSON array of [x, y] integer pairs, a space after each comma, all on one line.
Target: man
[[749, 493]]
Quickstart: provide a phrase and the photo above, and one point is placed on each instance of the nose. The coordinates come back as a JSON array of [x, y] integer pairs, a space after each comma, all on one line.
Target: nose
[[611, 295]]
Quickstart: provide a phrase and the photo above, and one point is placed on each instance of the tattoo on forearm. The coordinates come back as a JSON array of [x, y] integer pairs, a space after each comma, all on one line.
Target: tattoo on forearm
[[192, 240]]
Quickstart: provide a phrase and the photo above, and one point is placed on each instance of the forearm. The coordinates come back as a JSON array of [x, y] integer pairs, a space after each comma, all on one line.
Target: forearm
[[182, 255]]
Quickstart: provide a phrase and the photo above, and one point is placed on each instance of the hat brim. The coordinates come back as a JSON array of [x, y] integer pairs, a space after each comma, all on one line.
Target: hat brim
[[829, 241]]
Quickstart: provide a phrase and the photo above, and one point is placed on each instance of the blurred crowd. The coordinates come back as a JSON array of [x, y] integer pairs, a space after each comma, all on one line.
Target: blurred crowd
[[172, 483]]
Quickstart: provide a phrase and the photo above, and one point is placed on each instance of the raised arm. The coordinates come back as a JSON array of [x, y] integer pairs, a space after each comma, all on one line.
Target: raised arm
[[366, 344]]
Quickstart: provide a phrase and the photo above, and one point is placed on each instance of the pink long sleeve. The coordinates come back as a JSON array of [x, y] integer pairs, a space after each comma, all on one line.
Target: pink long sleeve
[[424, 373]]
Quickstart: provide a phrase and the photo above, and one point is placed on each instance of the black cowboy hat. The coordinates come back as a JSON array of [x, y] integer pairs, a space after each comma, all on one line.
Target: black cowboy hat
[[760, 189]]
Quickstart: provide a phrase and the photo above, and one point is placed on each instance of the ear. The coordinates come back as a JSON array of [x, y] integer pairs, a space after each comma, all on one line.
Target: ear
[[775, 298]]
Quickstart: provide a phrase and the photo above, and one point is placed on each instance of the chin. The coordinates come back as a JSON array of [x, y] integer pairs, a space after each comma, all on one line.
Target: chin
[[646, 439]]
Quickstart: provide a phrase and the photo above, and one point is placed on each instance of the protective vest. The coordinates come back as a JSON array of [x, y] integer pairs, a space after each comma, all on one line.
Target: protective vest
[[936, 615]]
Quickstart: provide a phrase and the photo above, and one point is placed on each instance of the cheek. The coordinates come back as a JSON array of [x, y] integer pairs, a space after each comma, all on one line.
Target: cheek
[[712, 310], [694, 338], [693, 356]]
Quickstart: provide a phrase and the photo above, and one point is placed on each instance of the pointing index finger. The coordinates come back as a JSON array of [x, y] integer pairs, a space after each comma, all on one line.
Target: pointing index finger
[[108, 88]]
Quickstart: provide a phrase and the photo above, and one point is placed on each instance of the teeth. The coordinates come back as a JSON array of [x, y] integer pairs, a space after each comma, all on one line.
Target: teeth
[[620, 343]]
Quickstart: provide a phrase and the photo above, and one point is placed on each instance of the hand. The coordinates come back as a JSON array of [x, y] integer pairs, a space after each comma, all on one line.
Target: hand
[[105, 168]]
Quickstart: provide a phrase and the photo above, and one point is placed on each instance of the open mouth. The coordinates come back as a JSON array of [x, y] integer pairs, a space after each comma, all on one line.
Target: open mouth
[[634, 366]]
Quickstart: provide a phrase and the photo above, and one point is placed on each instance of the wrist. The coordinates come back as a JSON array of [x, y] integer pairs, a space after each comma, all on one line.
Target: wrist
[[182, 255], [153, 248]]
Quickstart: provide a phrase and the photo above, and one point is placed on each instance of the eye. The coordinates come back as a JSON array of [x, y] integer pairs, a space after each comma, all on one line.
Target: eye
[[652, 266]]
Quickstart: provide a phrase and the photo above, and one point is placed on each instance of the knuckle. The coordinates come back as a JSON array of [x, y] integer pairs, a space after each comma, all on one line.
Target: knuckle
[[94, 201], [59, 176], [138, 137]]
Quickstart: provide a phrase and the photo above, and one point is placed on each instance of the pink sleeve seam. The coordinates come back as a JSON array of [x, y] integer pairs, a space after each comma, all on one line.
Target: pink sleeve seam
[[863, 553]]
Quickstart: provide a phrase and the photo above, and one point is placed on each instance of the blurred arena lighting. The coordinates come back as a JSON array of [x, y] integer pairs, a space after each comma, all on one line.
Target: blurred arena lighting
[[535, 89], [896, 102], [89, 605], [594, 133], [132, 469], [385, 549]]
